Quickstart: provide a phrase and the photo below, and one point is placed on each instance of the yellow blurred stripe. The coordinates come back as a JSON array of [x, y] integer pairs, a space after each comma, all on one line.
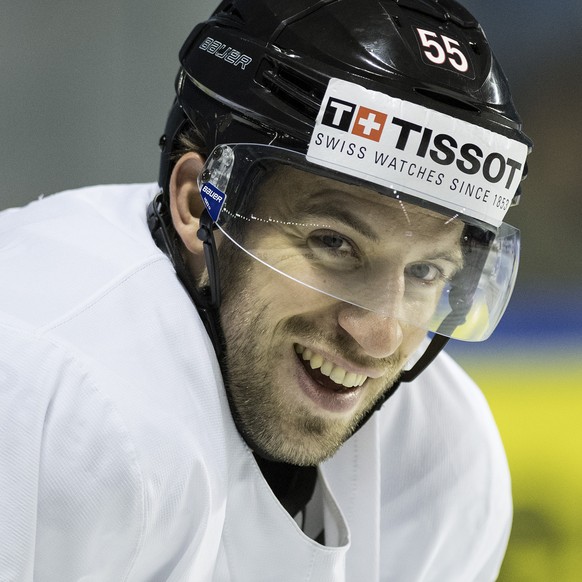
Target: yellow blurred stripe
[[536, 399]]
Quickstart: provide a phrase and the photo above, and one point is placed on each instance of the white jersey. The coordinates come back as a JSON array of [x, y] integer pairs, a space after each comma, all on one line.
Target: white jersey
[[120, 462]]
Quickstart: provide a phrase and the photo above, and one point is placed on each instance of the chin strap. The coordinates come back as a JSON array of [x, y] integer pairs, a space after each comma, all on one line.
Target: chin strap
[[434, 348], [436, 345], [206, 299]]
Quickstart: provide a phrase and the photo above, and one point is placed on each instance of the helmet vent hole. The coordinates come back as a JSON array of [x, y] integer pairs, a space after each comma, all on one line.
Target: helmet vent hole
[[293, 88]]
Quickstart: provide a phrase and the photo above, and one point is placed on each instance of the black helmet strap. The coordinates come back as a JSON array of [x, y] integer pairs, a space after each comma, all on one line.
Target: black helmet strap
[[207, 300]]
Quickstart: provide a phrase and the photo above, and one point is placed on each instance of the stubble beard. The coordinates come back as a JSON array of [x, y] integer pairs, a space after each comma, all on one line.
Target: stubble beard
[[274, 426]]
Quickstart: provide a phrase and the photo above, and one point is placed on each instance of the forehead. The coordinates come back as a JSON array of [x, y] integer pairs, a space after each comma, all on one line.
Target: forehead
[[290, 192]]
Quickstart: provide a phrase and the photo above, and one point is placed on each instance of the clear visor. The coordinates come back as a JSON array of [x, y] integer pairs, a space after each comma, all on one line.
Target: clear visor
[[376, 248]]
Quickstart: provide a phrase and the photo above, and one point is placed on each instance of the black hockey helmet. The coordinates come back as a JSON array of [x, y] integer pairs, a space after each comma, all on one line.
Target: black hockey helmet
[[257, 70], [285, 83]]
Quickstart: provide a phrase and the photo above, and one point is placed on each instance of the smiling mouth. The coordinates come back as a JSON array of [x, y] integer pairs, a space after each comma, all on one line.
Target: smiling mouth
[[328, 374]]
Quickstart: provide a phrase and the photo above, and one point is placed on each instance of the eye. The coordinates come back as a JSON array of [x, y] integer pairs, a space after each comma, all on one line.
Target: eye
[[334, 241], [424, 272], [332, 247]]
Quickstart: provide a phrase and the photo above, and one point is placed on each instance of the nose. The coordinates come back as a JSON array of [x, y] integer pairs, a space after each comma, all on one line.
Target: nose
[[378, 335]]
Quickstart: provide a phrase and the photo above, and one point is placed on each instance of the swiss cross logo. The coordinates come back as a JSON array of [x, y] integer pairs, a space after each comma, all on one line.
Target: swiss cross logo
[[355, 119], [369, 123]]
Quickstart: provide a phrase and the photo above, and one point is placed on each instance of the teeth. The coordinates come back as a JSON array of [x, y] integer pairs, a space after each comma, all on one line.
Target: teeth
[[327, 368], [338, 374], [316, 362], [350, 380]]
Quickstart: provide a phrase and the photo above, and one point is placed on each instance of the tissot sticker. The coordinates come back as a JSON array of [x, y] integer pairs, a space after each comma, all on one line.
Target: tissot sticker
[[405, 146], [213, 199]]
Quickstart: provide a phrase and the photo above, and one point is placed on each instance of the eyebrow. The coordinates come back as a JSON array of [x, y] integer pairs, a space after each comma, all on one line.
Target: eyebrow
[[454, 257], [324, 209]]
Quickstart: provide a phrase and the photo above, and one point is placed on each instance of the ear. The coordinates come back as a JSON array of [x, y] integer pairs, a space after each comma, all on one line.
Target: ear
[[186, 205]]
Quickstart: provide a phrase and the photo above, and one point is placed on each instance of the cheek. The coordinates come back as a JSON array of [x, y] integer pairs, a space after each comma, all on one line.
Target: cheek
[[412, 337], [283, 296]]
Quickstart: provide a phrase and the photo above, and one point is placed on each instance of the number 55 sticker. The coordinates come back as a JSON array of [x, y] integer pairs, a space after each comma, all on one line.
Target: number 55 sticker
[[439, 49]]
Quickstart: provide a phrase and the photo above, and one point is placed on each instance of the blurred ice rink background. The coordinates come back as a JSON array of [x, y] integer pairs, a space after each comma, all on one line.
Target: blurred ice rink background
[[84, 90]]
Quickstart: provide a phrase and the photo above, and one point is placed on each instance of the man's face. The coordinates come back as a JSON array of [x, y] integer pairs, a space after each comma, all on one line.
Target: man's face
[[303, 367]]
